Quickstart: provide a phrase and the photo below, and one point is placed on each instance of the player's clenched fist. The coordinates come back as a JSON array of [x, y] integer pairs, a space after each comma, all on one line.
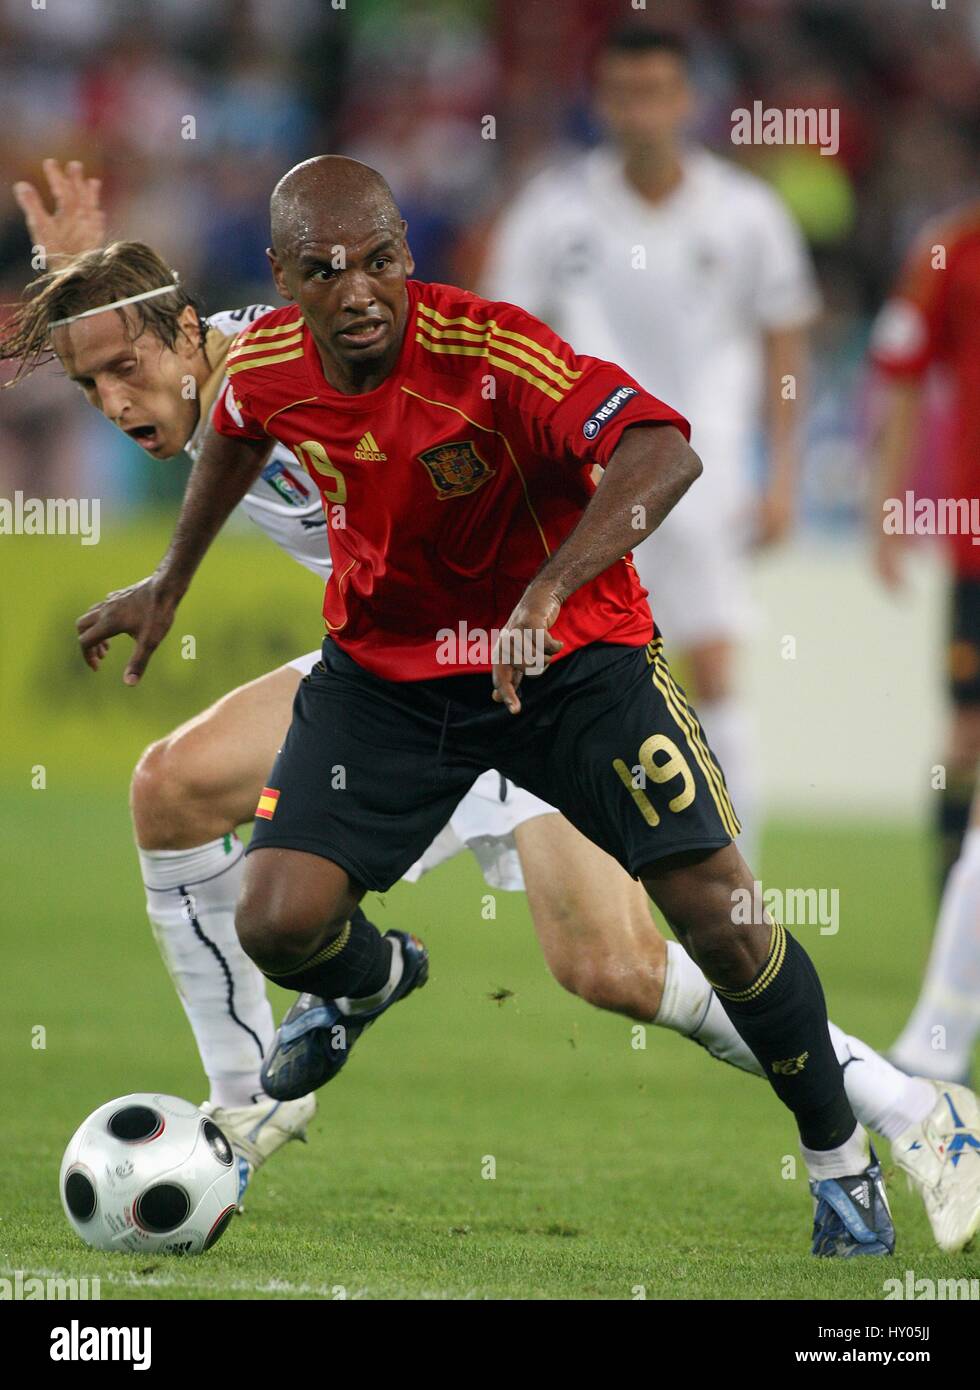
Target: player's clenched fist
[[144, 611], [525, 645]]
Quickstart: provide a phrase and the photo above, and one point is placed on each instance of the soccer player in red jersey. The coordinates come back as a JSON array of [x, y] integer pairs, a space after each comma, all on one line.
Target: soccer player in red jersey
[[459, 438], [192, 789], [929, 325]]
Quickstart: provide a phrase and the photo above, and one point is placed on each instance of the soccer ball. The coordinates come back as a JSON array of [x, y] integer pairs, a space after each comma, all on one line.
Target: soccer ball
[[149, 1172]]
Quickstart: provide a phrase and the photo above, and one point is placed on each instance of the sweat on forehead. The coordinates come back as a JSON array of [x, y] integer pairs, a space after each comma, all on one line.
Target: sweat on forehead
[[330, 198]]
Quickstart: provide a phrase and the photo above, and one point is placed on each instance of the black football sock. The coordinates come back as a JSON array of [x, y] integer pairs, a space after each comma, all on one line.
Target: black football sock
[[955, 802], [782, 1018], [354, 964]]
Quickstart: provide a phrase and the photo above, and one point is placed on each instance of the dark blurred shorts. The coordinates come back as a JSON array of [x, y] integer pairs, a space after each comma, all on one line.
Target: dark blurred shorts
[[964, 642]]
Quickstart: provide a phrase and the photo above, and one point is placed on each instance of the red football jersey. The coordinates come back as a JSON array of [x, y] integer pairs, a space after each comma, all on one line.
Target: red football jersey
[[448, 486], [932, 320]]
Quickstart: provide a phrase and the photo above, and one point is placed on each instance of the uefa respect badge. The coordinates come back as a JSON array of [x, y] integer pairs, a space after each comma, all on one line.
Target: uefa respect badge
[[611, 406]]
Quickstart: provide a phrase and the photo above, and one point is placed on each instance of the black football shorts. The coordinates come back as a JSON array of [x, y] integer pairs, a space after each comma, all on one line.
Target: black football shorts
[[371, 770], [964, 642]]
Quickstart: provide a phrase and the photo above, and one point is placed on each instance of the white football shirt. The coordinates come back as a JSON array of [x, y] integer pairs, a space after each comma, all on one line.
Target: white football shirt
[[678, 292], [283, 501]]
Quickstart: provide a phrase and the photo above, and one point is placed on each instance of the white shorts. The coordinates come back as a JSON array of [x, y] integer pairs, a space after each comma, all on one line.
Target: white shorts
[[304, 664], [694, 568], [484, 822]]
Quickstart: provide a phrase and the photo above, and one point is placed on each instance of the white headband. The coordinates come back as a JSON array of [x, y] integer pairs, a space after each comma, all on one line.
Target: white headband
[[117, 303]]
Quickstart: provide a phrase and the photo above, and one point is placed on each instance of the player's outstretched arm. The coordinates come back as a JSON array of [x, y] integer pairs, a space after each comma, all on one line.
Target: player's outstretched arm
[[222, 475], [649, 472], [786, 359], [893, 460], [78, 222]]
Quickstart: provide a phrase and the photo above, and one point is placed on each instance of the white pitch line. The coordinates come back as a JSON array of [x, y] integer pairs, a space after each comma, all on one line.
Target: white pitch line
[[326, 1292], [130, 1279]]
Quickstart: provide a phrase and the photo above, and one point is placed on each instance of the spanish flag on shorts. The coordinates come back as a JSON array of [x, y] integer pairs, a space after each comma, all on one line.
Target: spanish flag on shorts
[[267, 803]]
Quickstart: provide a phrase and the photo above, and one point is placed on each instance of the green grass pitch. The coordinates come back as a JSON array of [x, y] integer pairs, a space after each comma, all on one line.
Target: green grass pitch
[[618, 1170]]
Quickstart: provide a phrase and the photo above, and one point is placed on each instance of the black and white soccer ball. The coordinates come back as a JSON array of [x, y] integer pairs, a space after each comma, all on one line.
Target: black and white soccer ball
[[149, 1172]]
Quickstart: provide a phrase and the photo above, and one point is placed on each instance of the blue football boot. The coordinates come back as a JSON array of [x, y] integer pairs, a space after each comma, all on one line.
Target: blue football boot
[[316, 1036], [851, 1215]]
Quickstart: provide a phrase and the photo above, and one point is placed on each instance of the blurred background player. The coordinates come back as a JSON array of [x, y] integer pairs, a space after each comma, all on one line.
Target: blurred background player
[[689, 271], [943, 1028], [928, 330]]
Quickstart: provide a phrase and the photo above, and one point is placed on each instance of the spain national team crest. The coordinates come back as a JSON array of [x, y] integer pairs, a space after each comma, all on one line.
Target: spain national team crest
[[456, 469]]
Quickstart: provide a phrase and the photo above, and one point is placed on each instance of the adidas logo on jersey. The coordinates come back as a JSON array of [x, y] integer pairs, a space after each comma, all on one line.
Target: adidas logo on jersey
[[367, 448]]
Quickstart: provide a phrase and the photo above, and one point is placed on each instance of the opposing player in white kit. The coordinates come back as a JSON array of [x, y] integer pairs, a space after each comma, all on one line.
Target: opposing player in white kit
[[690, 273], [193, 789], [943, 1028]]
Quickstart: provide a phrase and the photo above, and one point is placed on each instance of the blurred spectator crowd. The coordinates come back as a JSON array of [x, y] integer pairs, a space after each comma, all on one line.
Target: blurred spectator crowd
[[191, 109]]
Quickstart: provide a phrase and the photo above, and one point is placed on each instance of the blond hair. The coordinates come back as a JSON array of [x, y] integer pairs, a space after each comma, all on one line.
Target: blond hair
[[87, 281]]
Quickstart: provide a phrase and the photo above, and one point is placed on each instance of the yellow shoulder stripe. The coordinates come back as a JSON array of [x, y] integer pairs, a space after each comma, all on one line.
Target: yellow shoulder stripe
[[492, 338], [458, 350], [492, 325], [508, 366], [244, 349], [265, 361], [438, 318], [289, 327], [538, 347]]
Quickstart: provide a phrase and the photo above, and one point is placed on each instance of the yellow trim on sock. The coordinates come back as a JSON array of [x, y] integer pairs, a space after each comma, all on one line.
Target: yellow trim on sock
[[765, 977], [334, 948]]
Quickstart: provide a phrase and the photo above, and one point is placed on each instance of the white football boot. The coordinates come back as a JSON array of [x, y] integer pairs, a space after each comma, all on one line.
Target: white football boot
[[942, 1159], [256, 1132]]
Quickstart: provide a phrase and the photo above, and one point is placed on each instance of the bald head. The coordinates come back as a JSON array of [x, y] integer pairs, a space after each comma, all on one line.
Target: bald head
[[330, 198], [339, 252]]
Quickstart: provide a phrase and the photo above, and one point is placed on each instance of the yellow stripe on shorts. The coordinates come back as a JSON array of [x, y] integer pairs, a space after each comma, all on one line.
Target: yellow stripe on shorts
[[685, 720]]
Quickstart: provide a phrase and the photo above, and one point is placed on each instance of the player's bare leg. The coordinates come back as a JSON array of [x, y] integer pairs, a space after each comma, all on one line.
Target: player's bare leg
[[601, 943], [771, 992], [695, 893], [190, 792], [203, 780], [593, 921], [294, 906]]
